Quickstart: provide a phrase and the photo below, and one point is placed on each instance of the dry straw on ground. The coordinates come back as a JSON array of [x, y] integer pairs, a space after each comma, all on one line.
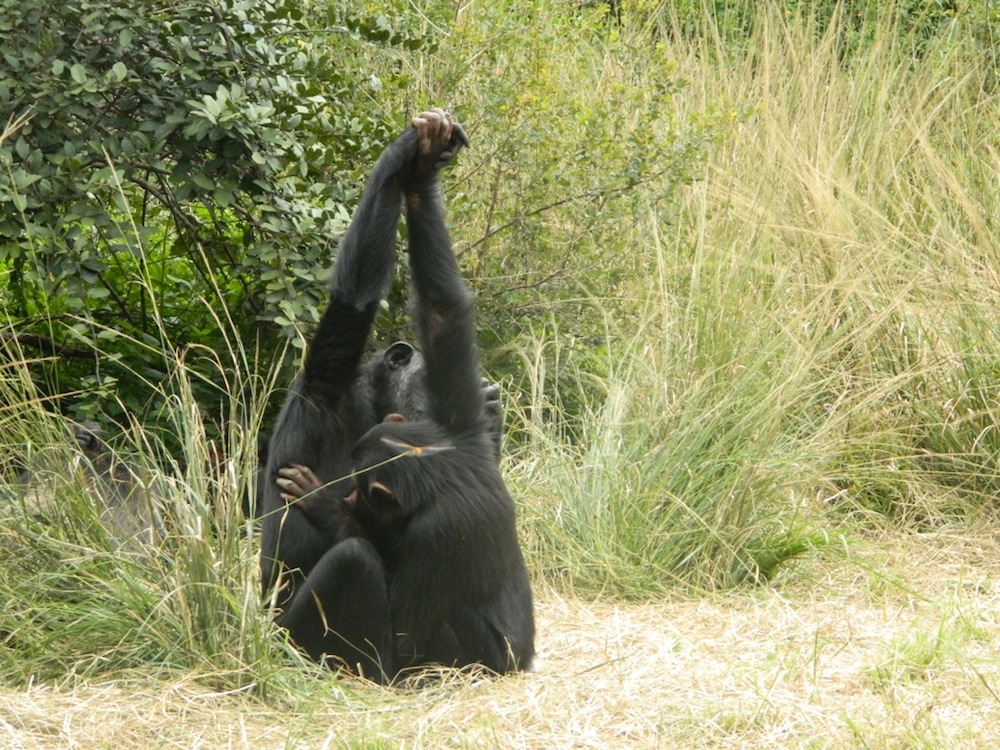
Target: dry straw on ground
[[892, 648]]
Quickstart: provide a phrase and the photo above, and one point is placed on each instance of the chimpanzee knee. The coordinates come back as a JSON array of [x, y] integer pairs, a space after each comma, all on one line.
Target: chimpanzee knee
[[340, 614]]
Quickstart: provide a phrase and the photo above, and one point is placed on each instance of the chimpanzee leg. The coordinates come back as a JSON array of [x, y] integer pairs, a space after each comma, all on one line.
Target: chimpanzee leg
[[441, 648], [341, 611]]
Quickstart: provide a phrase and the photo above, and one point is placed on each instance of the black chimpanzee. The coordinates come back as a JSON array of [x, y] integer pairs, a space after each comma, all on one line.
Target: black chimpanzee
[[420, 563]]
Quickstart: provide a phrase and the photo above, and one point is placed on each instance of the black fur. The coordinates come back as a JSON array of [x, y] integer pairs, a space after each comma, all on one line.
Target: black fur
[[332, 566], [429, 492]]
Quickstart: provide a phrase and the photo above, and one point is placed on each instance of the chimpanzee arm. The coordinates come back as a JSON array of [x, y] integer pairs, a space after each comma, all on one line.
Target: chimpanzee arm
[[360, 277], [444, 307], [323, 414]]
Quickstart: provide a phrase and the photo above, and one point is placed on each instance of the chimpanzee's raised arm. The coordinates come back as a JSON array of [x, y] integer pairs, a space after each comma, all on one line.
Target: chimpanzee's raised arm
[[428, 491], [327, 407], [444, 304], [361, 275]]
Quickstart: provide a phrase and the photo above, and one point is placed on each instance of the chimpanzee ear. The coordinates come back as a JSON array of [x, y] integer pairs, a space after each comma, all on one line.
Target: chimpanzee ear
[[382, 493], [398, 355]]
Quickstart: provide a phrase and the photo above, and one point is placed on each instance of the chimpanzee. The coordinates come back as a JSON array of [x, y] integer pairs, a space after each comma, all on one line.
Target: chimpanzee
[[126, 499], [443, 580], [394, 379]]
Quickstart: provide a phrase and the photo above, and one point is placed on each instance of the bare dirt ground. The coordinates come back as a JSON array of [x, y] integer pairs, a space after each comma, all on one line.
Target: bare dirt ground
[[892, 646]]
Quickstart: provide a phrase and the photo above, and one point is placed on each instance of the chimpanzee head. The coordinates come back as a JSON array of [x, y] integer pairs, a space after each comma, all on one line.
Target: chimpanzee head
[[394, 465], [397, 378], [89, 436]]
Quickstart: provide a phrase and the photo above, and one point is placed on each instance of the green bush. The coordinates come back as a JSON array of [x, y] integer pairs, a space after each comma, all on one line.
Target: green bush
[[169, 166]]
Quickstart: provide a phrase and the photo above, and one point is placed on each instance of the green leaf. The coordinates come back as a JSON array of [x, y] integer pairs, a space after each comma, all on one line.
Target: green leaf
[[118, 72], [203, 181]]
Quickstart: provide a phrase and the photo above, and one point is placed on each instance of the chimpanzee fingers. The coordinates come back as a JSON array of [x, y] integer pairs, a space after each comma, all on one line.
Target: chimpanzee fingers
[[307, 474], [297, 480], [288, 474], [459, 136], [422, 124], [433, 127], [441, 122], [433, 115], [459, 140], [491, 391], [436, 128], [292, 491]]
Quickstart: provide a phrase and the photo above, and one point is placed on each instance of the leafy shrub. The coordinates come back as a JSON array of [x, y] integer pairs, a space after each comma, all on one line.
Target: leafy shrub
[[176, 164]]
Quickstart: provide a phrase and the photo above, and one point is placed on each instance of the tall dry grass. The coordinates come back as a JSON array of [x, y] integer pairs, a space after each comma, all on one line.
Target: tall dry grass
[[818, 337]]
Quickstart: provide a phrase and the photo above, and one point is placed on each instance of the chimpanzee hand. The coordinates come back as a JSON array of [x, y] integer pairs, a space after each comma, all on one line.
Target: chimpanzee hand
[[439, 139], [493, 414], [298, 484]]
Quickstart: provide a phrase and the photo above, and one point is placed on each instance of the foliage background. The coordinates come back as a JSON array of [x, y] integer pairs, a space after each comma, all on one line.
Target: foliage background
[[735, 266]]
